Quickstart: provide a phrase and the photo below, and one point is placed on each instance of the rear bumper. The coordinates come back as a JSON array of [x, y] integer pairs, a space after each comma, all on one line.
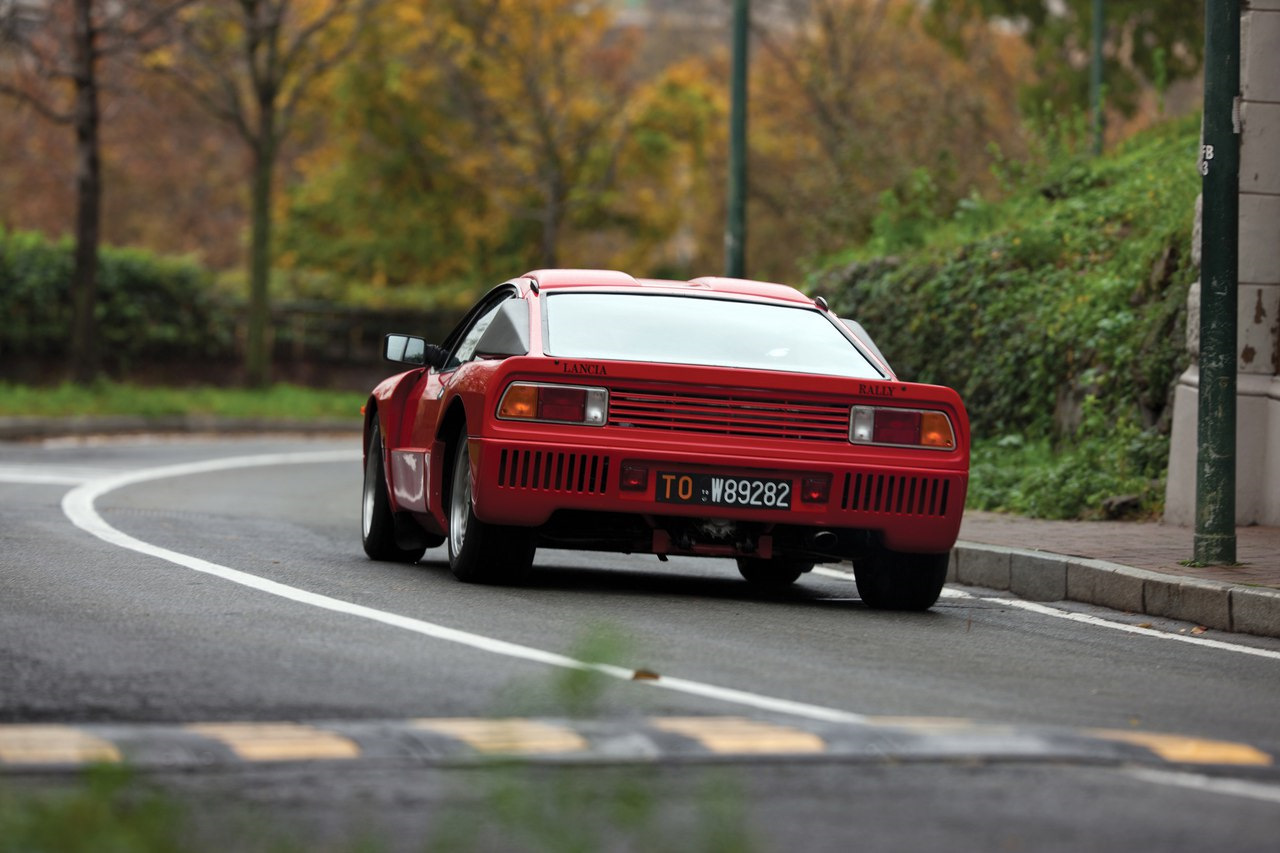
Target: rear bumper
[[913, 507]]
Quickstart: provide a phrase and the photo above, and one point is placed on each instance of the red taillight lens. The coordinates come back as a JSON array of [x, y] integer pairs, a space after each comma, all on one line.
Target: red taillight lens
[[635, 477], [562, 404], [896, 426], [816, 489]]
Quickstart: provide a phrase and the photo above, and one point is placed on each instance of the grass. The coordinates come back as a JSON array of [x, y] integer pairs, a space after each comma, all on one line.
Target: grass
[[109, 811], [279, 402]]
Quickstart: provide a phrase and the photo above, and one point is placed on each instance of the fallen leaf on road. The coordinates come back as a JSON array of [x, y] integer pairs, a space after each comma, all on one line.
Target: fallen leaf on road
[[1199, 629]]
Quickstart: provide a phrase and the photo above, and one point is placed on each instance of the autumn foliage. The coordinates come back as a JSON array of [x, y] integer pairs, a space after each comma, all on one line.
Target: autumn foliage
[[461, 141]]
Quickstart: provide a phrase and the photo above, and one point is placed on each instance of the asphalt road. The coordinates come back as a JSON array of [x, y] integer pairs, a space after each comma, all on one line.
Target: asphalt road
[[141, 601]]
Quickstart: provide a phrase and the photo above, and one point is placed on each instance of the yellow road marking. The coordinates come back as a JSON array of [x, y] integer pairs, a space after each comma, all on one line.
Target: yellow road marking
[[1188, 750], [52, 744], [277, 741], [740, 735], [506, 736], [927, 723]]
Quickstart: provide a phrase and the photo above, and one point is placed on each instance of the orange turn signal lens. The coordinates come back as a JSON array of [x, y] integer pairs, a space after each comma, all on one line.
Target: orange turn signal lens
[[519, 403], [935, 430]]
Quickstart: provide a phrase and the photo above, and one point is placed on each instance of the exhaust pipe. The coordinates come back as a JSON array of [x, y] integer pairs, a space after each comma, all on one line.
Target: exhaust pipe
[[824, 540]]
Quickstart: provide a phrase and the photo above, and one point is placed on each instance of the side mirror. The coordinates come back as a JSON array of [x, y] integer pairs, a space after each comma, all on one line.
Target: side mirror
[[405, 349], [408, 349]]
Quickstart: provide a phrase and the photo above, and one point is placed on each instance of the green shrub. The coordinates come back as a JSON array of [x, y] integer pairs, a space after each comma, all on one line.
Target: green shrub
[[148, 307], [1058, 315]]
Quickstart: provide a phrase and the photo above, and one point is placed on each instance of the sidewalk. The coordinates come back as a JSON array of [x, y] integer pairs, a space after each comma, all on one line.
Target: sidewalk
[[1125, 565]]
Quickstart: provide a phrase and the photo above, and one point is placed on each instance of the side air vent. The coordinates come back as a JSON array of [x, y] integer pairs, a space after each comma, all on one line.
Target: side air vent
[[890, 493], [553, 472]]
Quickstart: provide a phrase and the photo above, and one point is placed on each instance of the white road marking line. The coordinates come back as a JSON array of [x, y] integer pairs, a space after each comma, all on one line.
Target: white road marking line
[[78, 505], [42, 476], [1085, 619], [1208, 784]]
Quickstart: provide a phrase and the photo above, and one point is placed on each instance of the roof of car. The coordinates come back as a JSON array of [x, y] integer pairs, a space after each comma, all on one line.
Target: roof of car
[[558, 279]]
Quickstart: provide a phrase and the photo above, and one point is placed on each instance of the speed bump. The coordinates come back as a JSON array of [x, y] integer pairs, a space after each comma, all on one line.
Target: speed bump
[[510, 736], [277, 741], [1188, 750], [738, 735], [53, 744], [452, 741]]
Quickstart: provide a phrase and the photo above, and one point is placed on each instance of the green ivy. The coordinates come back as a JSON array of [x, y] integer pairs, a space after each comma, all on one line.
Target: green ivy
[[1058, 314]]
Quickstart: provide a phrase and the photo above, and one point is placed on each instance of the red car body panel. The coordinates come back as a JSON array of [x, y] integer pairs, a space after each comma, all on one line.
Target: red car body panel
[[673, 421]]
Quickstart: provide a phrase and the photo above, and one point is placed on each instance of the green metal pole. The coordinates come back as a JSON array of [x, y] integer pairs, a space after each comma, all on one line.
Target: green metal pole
[[1215, 537], [1095, 77], [735, 235]]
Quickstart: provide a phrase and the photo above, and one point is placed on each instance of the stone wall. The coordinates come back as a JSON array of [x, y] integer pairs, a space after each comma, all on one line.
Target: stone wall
[[1258, 351]]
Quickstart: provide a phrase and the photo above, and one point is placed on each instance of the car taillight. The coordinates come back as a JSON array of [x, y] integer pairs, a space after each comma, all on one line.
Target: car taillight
[[635, 477], [816, 488], [901, 427], [562, 404]]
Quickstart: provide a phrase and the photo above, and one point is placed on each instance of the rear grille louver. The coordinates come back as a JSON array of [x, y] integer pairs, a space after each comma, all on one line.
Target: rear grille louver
[[549, 471], [729, 413], [891, 493]]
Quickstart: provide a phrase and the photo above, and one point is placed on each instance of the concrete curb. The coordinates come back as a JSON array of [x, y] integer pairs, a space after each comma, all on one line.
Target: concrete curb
[[1042, 576], [35, 428]]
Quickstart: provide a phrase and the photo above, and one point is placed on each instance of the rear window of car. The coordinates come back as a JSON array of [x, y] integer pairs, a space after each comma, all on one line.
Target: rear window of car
[[699, 330]]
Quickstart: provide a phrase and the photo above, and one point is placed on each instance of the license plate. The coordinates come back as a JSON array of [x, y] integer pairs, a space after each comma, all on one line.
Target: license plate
[[717, 490]]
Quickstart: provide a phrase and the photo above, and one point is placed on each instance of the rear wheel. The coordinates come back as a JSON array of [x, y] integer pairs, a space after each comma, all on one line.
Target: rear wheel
[[773, 574], [892, 580], [377, 522], [480, 552]]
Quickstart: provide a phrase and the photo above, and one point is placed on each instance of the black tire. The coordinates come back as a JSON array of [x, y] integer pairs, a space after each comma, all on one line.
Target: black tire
[[771, 574], [892, 580], [480, 552], [377, 523]]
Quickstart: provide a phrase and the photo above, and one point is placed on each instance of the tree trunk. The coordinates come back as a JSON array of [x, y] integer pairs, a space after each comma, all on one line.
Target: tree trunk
[[84, 366], [258, 350], [553, 216]]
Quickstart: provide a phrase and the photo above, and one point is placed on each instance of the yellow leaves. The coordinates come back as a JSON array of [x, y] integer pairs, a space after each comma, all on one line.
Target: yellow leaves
[[849, 99], [408, 15], [158, 59]]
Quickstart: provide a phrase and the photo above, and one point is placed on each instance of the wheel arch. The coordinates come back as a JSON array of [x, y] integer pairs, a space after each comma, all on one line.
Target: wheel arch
[[451, 425], [370, 412]]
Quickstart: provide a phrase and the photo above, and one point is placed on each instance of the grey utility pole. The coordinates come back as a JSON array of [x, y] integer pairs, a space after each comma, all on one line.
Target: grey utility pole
[[1215, 537], [735, 234]]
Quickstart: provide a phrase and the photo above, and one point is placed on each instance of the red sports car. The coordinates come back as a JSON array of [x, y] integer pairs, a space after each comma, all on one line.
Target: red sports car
[[588, 409]]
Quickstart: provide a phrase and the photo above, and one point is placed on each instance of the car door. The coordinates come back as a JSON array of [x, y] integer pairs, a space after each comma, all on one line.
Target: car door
[[431, 395]]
